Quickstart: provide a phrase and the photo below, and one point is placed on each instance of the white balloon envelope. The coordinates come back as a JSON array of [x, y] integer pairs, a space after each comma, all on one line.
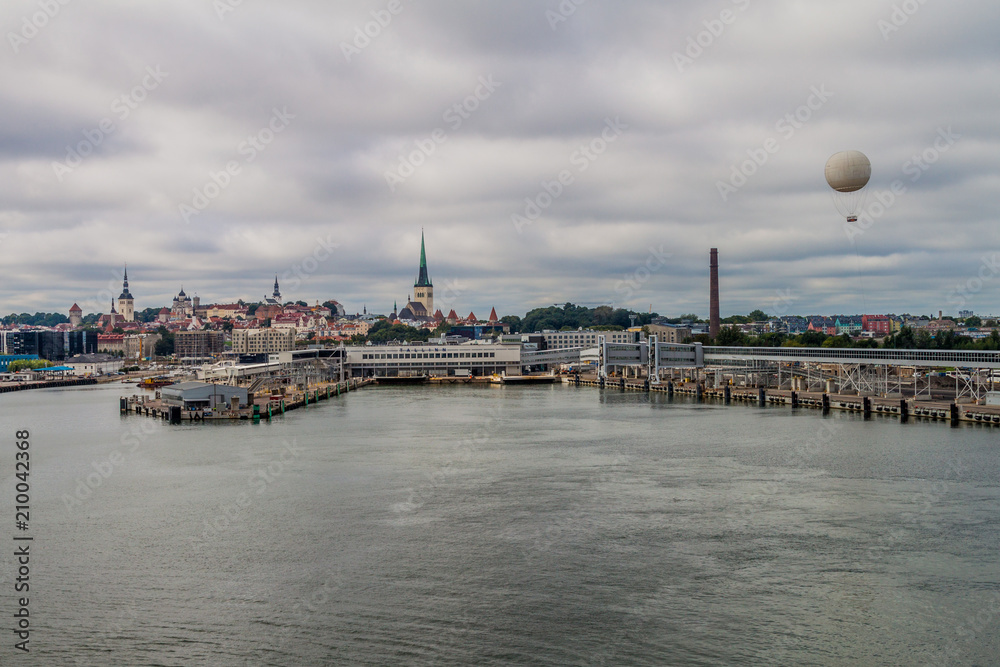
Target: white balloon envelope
[[848, 173]]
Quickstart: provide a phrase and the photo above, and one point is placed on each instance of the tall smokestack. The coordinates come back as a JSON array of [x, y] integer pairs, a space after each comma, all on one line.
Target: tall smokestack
[[713, 293]]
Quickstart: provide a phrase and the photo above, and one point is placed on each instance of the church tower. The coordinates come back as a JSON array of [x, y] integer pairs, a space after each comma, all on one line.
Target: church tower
[[423, 288], [277, 293], [126, 306]]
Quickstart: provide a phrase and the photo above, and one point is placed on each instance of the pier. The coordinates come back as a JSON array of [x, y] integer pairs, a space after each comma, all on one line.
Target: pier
[[265, 406], [904, 408], [45, 384]]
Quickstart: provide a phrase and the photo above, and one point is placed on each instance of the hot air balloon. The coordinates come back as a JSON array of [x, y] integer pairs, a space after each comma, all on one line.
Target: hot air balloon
[[847, 172]]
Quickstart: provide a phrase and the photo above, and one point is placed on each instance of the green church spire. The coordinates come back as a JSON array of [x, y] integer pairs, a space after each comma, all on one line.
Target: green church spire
[[422, 279]]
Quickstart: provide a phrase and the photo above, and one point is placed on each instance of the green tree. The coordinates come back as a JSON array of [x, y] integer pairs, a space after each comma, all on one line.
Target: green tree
[[513, 321], [730, 336], [31, 364], [974, 321], [165, 346]]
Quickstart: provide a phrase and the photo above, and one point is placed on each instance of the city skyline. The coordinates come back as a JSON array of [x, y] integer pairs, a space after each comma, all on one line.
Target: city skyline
[[552, 152]]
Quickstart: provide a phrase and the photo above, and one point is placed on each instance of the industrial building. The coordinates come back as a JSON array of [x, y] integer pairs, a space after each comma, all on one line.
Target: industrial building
[[205, 396]]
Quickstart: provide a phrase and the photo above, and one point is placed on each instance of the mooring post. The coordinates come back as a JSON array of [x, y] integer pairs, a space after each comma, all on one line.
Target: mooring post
[[795, 399], [728, 394], [954, 414], [761, 396], [904, 409], [826, 403], [670, 387], [866, 405]]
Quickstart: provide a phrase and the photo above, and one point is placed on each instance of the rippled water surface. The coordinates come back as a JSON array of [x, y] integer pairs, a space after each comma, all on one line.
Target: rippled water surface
[[496, 526]]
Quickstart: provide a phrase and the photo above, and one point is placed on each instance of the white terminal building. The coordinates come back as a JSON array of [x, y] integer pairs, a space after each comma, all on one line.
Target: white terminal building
[[439, 360]]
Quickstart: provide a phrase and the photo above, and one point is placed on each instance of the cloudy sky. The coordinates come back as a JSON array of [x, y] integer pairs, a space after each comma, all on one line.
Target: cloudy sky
[[551, 151]]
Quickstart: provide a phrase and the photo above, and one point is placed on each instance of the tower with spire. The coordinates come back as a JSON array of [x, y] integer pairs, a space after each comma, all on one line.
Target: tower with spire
[[126, 305], [277, 293], [423, 288]]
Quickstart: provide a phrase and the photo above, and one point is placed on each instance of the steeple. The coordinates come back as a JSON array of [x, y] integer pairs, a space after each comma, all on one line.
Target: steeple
[[422, 279], [125, 293], [277, 292]]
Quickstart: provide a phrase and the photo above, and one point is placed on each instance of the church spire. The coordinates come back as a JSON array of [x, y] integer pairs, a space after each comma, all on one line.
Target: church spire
[[125, 293], [422, 279]]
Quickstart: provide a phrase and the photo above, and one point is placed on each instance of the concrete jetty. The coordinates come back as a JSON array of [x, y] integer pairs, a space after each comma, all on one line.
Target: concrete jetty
[[904, 408], [264, 406]]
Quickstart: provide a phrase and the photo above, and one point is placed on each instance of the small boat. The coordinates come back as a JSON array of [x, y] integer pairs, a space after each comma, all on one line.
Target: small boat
[[153, 383]]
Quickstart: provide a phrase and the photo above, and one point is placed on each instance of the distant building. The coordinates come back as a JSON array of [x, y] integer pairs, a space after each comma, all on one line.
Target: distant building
[[93, 364], [848, 324], [441, 360], [198, 344], [555, 340], [75, 316], [260, 341], [880, 325], [113, 344], [666, 333], [182, 307], [126, 305], [5, 359], [423, 289], [795, 324], [140, 346], [51, 345], [270, 307]]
